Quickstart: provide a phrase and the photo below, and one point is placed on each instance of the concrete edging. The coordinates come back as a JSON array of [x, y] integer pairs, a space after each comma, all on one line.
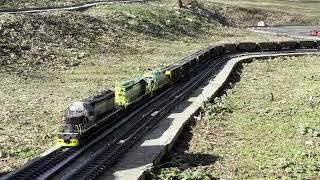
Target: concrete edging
[[162, 137]]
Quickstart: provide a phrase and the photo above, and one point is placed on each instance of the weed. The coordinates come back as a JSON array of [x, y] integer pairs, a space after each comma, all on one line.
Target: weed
[[262, 139], [49, 60]]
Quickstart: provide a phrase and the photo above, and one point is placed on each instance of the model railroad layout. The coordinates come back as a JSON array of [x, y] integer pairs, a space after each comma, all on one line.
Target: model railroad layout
[[110, 123], [74, 7]]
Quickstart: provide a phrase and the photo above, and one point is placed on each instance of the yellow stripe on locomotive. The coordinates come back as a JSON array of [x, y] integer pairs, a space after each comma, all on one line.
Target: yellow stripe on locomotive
[[70, 143], [130, 91], [120, 96], [156, 79]]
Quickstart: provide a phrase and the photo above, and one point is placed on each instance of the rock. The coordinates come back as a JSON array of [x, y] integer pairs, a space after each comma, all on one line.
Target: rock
[[184, 166], [310, 142], [81, 55], [75, 63], [261, 24], [3, 154], [168, 22], [189, 19]]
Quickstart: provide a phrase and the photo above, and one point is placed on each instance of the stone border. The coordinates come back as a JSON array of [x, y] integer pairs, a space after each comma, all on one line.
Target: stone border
[[162, 137]]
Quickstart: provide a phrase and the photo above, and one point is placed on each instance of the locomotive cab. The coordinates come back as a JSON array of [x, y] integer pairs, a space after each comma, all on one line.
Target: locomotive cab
[[76, 117], [155, 80]]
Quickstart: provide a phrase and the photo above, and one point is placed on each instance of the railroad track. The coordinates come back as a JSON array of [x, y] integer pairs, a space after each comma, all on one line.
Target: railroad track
[[49, 165], [75, 7], [107, 147]]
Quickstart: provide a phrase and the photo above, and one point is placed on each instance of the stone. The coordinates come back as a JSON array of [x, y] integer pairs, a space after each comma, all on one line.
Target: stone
[[261, 24]]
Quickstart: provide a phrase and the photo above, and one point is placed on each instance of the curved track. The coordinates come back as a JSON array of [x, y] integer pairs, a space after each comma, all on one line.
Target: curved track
[[114, 140], [75, 7]]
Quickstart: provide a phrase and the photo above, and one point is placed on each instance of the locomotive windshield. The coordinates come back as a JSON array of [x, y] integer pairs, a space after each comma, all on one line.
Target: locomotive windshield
[[75, 110]]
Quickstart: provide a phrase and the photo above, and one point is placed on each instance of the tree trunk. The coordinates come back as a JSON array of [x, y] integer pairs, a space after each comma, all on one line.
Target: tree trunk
[[179, 4]]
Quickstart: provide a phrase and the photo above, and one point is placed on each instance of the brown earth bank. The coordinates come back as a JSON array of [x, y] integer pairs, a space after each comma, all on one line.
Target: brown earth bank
[[60, 40], [19, 4]]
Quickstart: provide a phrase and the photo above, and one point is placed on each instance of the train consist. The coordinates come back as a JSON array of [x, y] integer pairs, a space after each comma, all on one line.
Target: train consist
[[81, 116]]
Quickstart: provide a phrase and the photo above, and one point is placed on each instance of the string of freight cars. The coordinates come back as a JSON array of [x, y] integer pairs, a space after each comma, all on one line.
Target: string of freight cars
[[84, 115], [74, 7], [131, 94]]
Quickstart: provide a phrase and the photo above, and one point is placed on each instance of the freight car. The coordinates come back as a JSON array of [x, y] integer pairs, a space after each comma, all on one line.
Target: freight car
[[131, 91], [269, 46], [82, 116], [247, 46], [230, 48], [308, 44], [289, 45]]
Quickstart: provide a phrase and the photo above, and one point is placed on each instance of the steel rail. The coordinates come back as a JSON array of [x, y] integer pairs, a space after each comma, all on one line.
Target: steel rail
[[74, 7], [104, 158], [127, 129], [50, 164], [39, 165], [121, 147], [108, 137]]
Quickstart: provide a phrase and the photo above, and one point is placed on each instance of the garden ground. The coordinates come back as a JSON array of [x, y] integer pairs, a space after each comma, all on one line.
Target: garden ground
[[49, 60], [264, 125]]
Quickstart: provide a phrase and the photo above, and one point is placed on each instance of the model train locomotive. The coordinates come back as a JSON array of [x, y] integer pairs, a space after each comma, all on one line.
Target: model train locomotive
[[82, 116]]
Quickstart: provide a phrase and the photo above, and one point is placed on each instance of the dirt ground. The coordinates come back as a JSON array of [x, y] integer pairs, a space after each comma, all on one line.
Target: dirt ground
[[49, 60], [263, 126], [9, 4]]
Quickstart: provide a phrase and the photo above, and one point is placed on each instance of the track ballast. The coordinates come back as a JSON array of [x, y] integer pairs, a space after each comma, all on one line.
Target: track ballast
[[125, 133]]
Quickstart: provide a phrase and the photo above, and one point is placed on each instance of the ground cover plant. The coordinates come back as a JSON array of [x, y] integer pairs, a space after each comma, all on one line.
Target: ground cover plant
[[264, 126], [49, 60], [18, 4], [305, 8]]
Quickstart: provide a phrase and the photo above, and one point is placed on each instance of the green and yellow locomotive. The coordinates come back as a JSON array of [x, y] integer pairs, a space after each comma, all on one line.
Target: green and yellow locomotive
[[135, 89], [82, 116]]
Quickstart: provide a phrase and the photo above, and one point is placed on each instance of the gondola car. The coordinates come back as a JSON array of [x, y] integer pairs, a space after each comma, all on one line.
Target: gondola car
[[318, 44], [83, 115], [176, 71], [247, 46], [308, 44], [289, 45], [217, 50], [230, 48], [269, 46]]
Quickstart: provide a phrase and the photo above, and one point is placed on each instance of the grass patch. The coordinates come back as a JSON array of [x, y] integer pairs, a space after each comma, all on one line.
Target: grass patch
[[9, 4], [264, 126], [305, 8]]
